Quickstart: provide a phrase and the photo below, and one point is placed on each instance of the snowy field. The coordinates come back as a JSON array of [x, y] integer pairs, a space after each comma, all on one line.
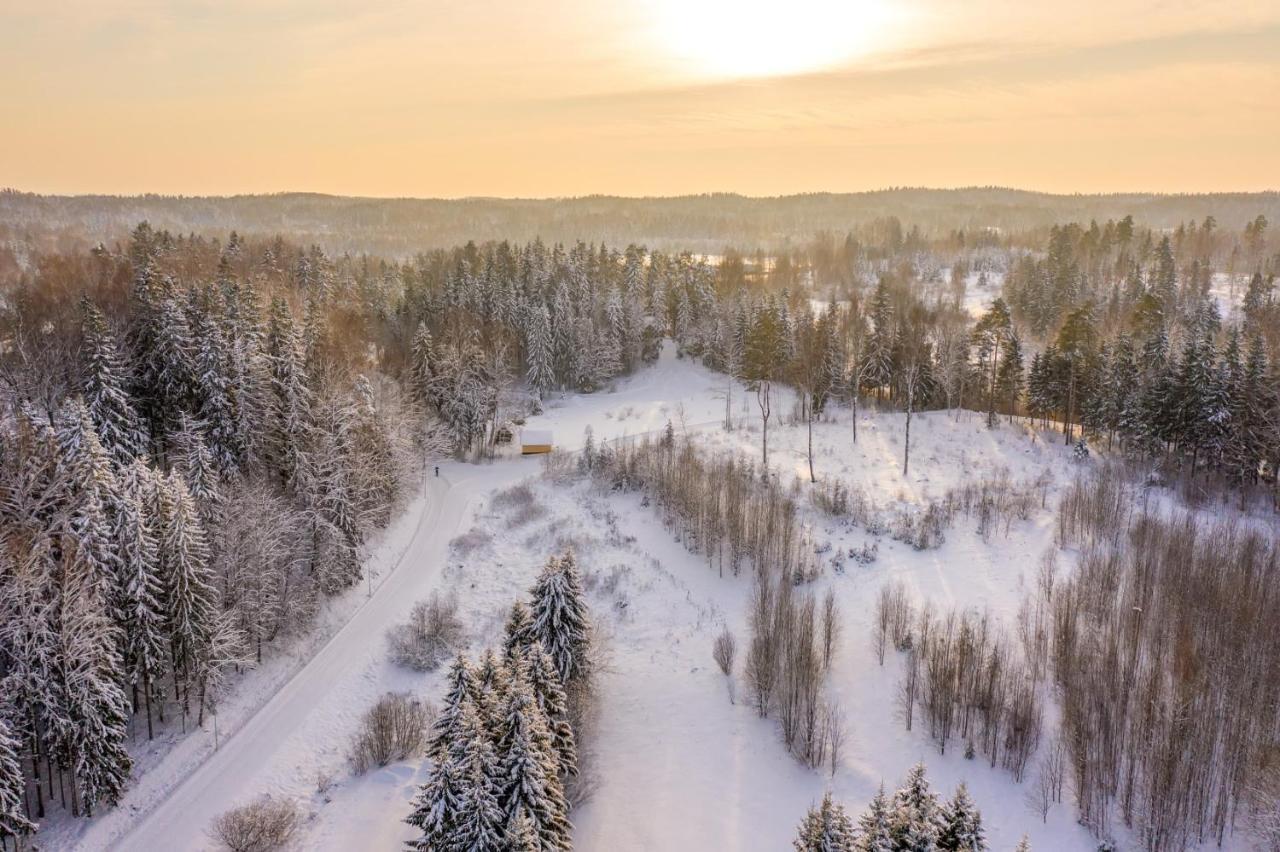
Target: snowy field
[[675, 764]]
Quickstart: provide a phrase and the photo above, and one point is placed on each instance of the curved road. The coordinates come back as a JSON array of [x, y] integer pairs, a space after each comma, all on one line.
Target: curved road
[[348, 661]]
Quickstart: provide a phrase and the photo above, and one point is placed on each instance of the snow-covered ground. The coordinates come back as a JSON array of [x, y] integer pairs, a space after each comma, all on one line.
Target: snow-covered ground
[[675, 764]]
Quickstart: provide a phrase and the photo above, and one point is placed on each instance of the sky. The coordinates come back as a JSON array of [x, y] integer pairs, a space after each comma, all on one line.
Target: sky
[[539, 98]]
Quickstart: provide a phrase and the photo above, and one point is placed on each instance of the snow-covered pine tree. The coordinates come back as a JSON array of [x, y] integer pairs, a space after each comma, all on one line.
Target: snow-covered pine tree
[[916, 817], [550, 694], [961, 824], [13, 819], [105, 395], [826, 828], [875, 826], [190, 599], [529, 765], [560, 618]]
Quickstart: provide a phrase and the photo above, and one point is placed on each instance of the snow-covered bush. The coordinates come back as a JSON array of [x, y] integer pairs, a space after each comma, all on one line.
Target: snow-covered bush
[[263, 825], [393, 729], [429, 637]]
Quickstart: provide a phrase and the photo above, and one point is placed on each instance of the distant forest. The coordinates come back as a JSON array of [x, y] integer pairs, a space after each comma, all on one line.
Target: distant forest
[[399, 228]]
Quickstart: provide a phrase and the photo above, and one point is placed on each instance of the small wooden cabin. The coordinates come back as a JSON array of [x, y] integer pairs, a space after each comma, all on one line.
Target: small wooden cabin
[[535, 441]]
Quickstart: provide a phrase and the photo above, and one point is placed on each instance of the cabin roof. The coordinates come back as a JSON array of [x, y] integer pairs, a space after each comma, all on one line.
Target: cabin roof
[[535, 436]]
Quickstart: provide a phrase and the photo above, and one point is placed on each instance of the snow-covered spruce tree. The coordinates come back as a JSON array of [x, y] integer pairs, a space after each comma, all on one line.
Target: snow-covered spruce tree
[[141, 590], [521, 836], [961, 824], [13, 819], [491, 684], [480, 825], [438, 805], [90, 496], [529, 765], [191, 457], [191, 601], [105, 390], [447, 729], [30, 646], [549, 692], [916, 819], [90, 730], [289, 407], [518, 631], [826, 828], [245, 366], [875, 826], [422, 358], [336, 532], [539, 352], [374, 468], [214, 394], [560, 618], [170, 372]]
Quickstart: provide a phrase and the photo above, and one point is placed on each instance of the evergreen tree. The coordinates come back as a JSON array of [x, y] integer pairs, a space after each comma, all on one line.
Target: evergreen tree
[[826, 828], [916, 819], [191, 458], [141, 591], [447, 729], [190, 599], [13, 820], [560, 617], [114, 417], [539, 353], [480, 823], [552, 700], [438, 806], [289, 417], [875, 826], [961, 825], [529, 765], [518, 631], [91, 729]]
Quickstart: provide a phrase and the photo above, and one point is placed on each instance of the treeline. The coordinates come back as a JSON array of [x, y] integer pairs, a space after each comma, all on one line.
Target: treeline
[[181, 481], [397, 228], [910, 820], [1166, 655], [505, 745]]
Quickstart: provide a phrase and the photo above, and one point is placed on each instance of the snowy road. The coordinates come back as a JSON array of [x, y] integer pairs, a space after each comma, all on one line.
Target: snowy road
[[312, 711]]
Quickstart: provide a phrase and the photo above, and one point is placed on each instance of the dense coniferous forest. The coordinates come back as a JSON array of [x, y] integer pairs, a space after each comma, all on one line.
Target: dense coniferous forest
[[201, 433]]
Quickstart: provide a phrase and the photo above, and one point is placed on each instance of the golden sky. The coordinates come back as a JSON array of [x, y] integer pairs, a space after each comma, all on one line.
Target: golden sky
[[450, 98]]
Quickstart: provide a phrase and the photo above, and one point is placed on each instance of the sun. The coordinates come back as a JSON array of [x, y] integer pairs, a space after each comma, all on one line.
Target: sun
[[758, 38]]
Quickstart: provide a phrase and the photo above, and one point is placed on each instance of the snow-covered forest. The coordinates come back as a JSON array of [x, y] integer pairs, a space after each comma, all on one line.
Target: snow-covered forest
[[992, 507]]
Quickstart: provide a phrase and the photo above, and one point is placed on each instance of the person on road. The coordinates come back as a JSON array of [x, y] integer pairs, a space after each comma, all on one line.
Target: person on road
[[437, 470]]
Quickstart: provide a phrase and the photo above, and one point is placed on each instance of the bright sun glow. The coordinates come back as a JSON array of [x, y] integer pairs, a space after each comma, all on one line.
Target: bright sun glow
[[763, 38]]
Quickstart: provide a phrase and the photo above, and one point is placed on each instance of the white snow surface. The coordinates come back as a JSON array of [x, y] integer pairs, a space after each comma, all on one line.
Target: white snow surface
[[676, 765]]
